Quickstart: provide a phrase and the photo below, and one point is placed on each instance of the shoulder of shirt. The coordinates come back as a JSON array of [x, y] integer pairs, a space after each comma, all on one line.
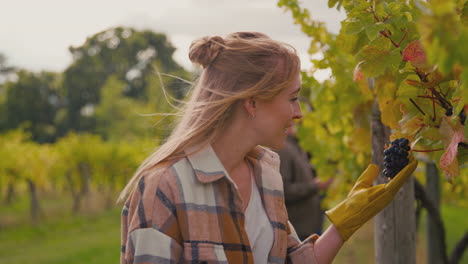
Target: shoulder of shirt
[[152, 179], [155, 181], [159, 172], [269, 155]]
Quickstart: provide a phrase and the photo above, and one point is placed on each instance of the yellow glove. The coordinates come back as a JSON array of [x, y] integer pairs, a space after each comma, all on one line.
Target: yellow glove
[[365, 201]]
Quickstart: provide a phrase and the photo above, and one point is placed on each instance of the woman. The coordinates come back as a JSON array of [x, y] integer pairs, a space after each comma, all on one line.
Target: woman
[[211, 193]]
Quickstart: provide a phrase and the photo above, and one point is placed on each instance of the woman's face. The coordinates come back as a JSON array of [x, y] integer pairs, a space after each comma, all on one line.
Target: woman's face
[[274, 117]]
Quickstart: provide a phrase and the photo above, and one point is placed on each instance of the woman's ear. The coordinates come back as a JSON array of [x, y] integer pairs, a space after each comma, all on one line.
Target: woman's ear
[[250, 107]]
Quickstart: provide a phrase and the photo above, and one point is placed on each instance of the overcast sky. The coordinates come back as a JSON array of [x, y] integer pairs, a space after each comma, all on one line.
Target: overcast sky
[[36, 34]]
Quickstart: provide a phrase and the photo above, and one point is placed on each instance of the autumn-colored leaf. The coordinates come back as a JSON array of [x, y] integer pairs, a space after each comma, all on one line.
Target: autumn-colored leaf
[[431, 133], [457, 70], [413, 83], [452, 135], [412, 126], [415, 54], [359, 141], [358, 75], [391, 114]]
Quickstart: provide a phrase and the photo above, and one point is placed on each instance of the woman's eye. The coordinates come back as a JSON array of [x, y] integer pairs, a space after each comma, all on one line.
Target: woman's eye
[[294, 99]]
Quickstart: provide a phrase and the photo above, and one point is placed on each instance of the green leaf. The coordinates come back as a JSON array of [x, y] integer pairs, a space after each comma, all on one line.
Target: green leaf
[[346, 42], [356, 22], [332, 3], [373, 31], [352, 26], [375, 60], [394, 8], [408, 16], [462, 154], [464, 15], [407, 91]]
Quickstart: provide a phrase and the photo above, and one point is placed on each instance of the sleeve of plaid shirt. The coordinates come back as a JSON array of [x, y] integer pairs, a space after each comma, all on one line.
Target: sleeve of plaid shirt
[[149, 227], [300, 252]]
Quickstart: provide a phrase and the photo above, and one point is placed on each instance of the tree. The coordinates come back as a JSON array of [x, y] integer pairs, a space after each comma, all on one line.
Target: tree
[[123, 52], [25, 161], [5, 69], [6, 72], [33, 100], [119, 117]]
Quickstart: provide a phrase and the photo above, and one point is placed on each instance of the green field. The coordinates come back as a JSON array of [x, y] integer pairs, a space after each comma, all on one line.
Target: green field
[[360, 248], [91, 237], [94, 236]]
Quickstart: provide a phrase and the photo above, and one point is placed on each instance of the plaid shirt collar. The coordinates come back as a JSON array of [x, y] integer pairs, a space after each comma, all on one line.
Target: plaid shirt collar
[[208, 168]]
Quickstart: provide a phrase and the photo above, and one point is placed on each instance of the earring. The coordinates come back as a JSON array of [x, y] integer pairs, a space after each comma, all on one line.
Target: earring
[[252, 117]]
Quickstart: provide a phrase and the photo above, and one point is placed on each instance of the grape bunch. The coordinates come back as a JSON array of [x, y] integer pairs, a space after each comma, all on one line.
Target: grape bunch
[[396, 157]]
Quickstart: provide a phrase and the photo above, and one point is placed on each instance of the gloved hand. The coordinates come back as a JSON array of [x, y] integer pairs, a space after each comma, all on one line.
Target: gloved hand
[[365, 201]]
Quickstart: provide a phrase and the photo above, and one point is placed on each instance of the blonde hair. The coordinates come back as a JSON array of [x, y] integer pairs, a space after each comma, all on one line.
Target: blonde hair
[[241, 65]]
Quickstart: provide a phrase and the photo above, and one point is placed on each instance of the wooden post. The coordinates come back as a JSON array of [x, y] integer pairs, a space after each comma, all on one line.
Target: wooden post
[[434, 255], [394, 227]]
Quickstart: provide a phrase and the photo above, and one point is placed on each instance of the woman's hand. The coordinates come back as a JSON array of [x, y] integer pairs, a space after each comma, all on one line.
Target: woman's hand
[[365, 201]]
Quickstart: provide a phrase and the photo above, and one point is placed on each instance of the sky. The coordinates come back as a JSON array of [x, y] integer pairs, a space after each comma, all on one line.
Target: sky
[[36, 34]]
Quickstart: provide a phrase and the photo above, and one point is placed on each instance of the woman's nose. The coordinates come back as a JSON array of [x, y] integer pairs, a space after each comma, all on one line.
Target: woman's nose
[[297, 114]]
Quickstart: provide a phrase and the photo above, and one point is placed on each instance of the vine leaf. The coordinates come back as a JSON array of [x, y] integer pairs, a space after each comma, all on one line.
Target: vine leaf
[[376, 59], [412, 125], [415, 54], [452, 135], [391, 113], [357, 74], [360, 140]]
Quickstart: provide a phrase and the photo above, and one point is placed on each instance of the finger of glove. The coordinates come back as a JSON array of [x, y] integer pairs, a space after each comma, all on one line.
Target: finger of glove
[[366, 179], [395, 184]]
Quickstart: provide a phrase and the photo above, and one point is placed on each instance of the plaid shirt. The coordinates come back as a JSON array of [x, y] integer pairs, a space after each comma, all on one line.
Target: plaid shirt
[[190, 211]]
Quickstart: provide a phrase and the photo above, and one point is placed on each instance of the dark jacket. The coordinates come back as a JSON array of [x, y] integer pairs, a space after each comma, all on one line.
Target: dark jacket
[[301, 195]]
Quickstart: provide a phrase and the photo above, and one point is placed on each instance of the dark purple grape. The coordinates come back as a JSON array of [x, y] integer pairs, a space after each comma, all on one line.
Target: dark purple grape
[[386, 152], [449, 112], [462, 116], [403, 142], [396, 157]]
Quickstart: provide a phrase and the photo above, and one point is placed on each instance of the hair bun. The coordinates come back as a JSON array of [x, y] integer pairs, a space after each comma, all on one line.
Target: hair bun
[[205, 50]]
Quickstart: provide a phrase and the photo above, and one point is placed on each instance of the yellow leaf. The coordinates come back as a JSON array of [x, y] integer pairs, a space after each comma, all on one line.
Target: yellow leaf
[[431, 133], [359, 141], [391, 114]]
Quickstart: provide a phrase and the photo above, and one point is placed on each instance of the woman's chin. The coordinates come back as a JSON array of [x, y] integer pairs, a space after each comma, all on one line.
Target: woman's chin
[[277, 145]]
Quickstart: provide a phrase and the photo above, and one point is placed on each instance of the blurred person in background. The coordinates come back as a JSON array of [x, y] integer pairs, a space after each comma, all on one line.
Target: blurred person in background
[[302, 188]]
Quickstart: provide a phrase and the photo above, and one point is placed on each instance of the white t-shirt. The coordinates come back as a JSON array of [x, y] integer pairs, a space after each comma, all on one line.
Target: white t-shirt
[[257, 226]]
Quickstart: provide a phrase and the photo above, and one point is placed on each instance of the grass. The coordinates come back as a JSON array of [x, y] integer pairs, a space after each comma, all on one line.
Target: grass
[[360, 247], [87, 238], [94, 235], [456, 224]]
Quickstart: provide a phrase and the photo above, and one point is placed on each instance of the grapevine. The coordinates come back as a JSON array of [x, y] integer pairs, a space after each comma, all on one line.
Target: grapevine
[[409, 56]]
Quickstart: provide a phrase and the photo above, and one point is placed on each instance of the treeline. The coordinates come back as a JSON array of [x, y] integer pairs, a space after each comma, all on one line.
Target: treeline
[[90, 126], [111, 80]]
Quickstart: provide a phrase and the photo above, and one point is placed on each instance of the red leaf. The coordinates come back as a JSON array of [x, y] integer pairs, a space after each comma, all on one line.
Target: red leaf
[[357, 74], [452, 135], [415, 54]]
